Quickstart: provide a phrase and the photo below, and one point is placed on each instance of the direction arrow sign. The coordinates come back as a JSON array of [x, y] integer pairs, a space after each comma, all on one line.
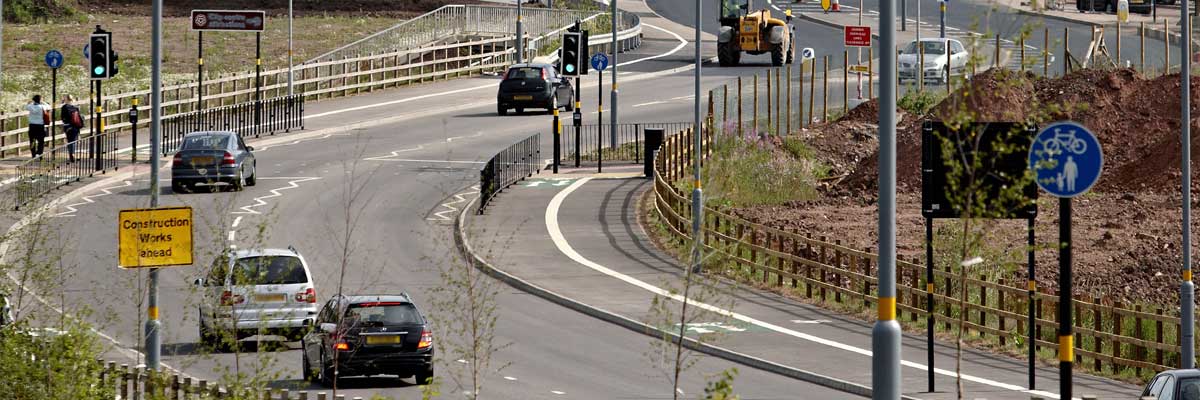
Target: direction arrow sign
[[599, 61], [857, 36], [1066, 159], [54, 59]]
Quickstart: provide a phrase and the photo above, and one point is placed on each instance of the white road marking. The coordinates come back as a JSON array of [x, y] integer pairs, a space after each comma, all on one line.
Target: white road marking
[[260, 201], [88, 200], [510, 378], [458, 198], [402, 101], [432, 161], [806, 321], [648, 104], [477, 134], [563, 246], [558, 392], [231, 235], [237, 221], [394, 154]]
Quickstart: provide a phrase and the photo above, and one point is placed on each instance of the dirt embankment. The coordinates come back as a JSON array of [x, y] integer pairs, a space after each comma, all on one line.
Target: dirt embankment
[[1127, 230]]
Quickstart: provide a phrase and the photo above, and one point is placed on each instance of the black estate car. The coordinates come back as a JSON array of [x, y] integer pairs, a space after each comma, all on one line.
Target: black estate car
[[1179, 384], [534, 86], [369, 335]]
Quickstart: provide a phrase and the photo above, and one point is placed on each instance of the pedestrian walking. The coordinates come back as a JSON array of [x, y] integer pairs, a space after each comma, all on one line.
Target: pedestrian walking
[[39, 117], [72, 122]]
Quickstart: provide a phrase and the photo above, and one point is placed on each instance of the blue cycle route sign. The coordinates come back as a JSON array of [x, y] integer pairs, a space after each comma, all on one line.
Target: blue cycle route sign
[[54, 59], [1066, 159], [599, 61]]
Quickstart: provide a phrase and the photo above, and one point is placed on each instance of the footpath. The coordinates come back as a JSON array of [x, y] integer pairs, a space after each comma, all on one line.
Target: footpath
[[581, 246]]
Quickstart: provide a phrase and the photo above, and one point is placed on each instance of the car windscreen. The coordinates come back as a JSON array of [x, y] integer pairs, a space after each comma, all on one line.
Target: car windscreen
[[206, 142], [930, 48], [524, 73], [268, 270], [383, 313]]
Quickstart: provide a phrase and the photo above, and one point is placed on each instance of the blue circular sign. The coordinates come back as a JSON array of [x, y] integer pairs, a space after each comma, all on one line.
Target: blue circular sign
[[54, 59], [599, 61], [1066, 159]]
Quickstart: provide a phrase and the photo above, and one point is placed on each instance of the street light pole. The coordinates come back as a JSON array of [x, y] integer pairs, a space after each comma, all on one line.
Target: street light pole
[[885, 335], [613, 115], [520, 36], [697, 132], [290, 90], [153, 326], [1187, 290]]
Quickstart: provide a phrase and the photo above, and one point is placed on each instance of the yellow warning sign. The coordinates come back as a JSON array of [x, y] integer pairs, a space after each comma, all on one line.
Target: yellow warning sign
[[155, 237], [859, 68]]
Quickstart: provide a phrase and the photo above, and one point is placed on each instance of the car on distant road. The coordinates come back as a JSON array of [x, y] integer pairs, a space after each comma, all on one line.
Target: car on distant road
[[1177, 384], [368, 335], [534, 86], [256, 292], [939, 66], [213, 157]]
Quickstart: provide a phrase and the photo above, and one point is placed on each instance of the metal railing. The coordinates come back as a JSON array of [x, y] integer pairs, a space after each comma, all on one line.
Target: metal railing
[[63, 165], [250, 119], [453, 20], [596, 141], [509, 166]]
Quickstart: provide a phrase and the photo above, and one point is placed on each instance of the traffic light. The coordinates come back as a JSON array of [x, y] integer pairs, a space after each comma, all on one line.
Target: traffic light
[[115, 65], [571, 56], [100, 55], [585, 59]]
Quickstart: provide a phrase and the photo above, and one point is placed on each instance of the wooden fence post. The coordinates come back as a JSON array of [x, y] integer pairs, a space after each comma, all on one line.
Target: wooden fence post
[[824, 260], [1158, 336], [754, 115], [983, 304], [739, 108], [837, 277], [1117, 318], [1097, 343], [1000, 317], [1139, 351]]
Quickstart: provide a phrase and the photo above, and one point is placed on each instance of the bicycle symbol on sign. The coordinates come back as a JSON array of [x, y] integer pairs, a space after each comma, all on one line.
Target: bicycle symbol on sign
[[1066, 141]]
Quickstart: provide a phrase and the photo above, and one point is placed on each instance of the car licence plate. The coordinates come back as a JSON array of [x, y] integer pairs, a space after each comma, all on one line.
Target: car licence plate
[[522, 97], [202, 160], [270, 298], [388, 339]]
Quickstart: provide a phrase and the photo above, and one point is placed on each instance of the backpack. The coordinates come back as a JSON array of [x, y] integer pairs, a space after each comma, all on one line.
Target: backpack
[[71, 116]]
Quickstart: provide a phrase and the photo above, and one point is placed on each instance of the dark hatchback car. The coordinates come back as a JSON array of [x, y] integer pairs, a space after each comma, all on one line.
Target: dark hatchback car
[[213, 157], [534, 86], [1179, 384], [369, 335]]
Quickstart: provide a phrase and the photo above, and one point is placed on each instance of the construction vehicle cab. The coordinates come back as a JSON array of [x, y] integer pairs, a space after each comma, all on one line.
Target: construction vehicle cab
[[757, 32]]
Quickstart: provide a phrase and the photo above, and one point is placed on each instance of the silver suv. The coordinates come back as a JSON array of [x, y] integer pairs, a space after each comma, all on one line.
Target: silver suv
[[257, 292]]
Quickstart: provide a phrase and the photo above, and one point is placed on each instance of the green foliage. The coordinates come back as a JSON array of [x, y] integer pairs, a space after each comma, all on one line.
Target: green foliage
[[917, 102], [35, 11], [722, 388], [749, 171], [41, 364]]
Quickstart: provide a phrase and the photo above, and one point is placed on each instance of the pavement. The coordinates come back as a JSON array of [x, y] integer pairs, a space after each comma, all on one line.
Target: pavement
[[580, 237]]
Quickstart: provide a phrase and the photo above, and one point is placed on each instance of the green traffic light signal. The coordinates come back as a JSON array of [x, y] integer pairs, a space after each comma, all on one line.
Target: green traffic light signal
[[570, 68], [98, 71]]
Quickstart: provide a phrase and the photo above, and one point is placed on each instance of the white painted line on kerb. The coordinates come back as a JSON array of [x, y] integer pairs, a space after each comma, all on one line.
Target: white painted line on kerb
[[561, 242]]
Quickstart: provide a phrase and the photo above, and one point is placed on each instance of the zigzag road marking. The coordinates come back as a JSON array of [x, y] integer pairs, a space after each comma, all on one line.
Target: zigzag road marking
[[88, 200], [393, 154], [261, 201], [458, 198]]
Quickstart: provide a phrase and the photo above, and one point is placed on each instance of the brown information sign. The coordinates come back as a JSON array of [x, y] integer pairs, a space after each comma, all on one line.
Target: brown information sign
[[228, 20]]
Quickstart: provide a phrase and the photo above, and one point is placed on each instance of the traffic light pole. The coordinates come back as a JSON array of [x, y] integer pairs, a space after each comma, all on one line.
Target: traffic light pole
[[577, 120], [257, 83], [885, 335], [99, 118], [520, 35], [53, 109], [615, 50]]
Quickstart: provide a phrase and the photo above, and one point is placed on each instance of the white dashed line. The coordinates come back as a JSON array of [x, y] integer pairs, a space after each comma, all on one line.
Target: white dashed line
[[237, 221], [231, 235], [510, 378], [458, 198], [558, 392], [432, 161], [88, 199], [261, 201]]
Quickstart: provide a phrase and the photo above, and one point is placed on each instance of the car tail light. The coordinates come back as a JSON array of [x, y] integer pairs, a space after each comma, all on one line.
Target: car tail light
[[341, 346], [228, 160], [229, 299], [307, 296], [543, 74], [426, 339], [178, 160]]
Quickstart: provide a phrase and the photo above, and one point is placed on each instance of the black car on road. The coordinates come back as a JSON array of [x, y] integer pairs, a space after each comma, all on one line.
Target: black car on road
[[369, 335], [534, 86], [1178, 384], [213, 157]]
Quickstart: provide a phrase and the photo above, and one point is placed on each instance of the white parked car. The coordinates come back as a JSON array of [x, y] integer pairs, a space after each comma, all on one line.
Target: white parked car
[[939, 66], [257, 292]]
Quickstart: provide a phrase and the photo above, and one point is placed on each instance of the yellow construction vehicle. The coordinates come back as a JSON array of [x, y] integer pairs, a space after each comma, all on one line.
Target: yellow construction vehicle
[[757, 32]]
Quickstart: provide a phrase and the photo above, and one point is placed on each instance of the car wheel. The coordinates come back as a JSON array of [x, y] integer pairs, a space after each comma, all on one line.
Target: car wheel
[[326, 375], [253, 178], [791, 54], [422, 378], [178, 187], [240, 180], [306, 368], [570, 105], [500, 110], [728, 54], [946, 75]]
